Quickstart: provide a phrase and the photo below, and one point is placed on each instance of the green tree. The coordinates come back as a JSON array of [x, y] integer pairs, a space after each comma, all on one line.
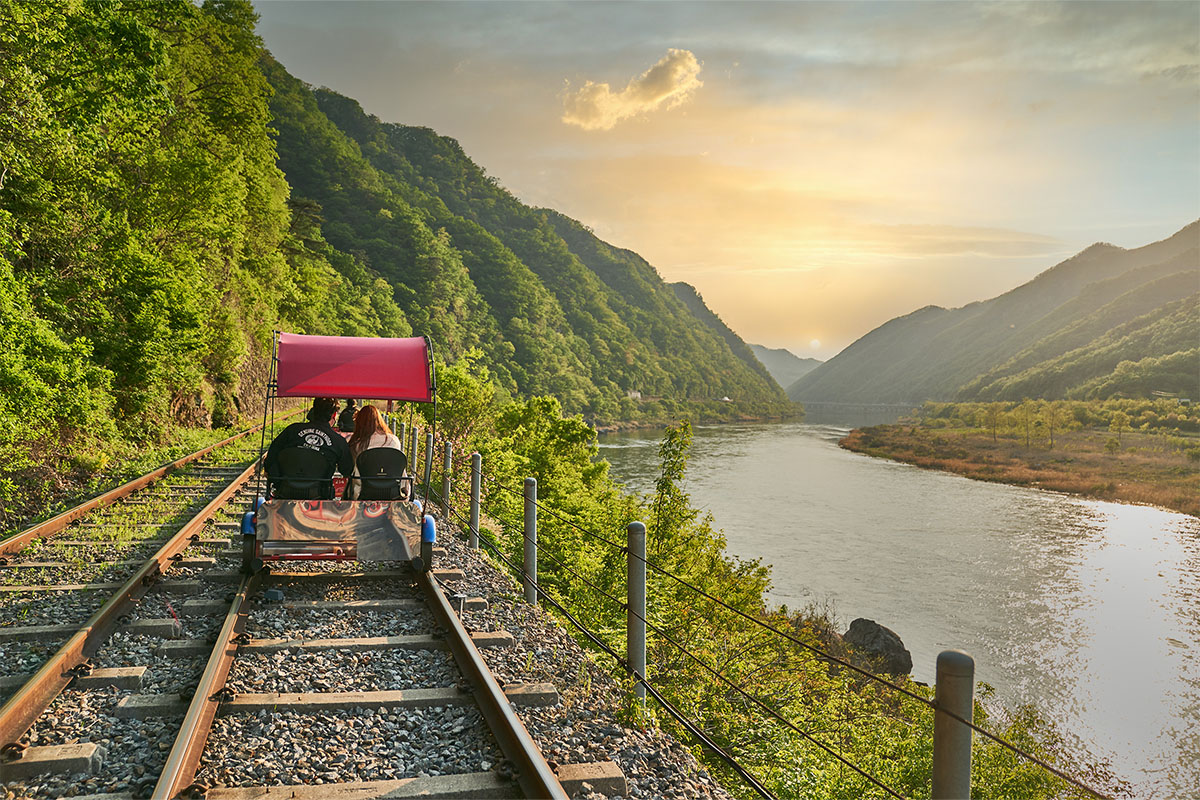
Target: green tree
[[1027, 414], [993, 414], [1118, 423], [1053, 417]]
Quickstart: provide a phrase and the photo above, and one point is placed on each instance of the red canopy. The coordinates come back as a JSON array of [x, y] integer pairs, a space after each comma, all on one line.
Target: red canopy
[[354, 366]]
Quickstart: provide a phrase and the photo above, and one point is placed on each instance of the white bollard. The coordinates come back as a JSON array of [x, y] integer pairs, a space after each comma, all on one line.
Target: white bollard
[[412, 455], [476, 481], [428, 459], [955, 692], [446, 454]]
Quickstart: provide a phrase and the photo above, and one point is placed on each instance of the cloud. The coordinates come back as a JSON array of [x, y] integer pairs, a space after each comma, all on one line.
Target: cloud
[[669, 83]]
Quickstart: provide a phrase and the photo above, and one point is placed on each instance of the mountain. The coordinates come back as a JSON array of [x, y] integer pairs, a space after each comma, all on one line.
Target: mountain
[[551, 308], [1063, 334], [785, 366]]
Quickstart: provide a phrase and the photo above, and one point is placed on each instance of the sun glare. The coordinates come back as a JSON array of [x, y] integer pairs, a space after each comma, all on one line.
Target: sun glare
[[815, 344]]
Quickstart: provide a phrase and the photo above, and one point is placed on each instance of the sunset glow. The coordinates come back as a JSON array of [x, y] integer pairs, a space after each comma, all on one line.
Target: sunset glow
[[804, 165]]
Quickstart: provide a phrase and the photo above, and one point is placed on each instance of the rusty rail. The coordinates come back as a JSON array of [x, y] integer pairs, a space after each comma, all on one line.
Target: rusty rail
[[57, 523], [23, 708], [184, 758], [533, 774]]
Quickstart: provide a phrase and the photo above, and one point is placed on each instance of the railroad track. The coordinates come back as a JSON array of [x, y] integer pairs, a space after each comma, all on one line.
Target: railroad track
[[189, 679], [390, 682]]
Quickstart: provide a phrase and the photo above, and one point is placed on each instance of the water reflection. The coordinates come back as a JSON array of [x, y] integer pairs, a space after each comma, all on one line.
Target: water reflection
[[1086, 608]]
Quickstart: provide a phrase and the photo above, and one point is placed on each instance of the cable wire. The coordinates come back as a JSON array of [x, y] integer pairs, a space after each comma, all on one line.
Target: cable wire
[[828, 656], [691, 727], [816, 650], [510, 526], [771, 711]]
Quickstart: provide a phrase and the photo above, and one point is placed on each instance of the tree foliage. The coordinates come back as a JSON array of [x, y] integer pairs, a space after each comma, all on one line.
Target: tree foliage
[[149, 241]]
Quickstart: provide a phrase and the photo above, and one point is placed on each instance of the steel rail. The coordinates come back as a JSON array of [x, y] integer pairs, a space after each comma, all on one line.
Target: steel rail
[[58, 523], [24, 707], [184, 759], [533, 774]]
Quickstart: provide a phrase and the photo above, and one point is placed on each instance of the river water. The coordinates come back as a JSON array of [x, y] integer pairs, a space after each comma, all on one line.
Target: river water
[[1088, 609]]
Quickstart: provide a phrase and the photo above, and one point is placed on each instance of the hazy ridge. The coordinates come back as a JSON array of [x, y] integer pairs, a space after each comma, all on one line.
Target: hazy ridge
[[785, 366], [1063, 334]]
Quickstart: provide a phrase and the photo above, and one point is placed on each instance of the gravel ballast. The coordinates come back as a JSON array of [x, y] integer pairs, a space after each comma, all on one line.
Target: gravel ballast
[[295, 670], [274, 748], [585, 725], [135, 749], [280, 747], [284, 623]]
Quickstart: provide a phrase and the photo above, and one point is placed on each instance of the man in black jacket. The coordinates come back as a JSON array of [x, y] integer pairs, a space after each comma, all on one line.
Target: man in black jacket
[[316, 434]]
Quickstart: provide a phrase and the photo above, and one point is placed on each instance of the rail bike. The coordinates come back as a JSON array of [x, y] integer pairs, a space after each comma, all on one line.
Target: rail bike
[[298, 513]]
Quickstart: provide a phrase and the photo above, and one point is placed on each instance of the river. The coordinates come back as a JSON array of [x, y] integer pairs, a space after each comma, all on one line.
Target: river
[[1088, 609]]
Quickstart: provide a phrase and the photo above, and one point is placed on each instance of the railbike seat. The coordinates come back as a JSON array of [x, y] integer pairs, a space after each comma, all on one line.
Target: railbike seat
[[381, 471], [304, 475]]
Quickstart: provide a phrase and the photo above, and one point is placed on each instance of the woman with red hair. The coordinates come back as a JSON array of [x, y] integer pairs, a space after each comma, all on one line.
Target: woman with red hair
[[370, 431]]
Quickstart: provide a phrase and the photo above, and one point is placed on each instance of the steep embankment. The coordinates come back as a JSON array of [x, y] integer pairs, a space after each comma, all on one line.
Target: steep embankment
[[997, 348]]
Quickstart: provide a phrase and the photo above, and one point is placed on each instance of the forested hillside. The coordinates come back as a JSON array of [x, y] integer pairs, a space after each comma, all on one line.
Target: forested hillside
[[1106, 322], [147, 245], [571, 315], [169, 195]]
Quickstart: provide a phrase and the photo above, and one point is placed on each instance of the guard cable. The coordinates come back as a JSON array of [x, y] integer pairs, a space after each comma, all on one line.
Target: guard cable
[[691, 727], [771, 711], [828, 656]]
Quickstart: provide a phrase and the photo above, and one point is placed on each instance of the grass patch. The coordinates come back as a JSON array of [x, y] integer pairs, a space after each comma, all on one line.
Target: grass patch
[[1149, 469]]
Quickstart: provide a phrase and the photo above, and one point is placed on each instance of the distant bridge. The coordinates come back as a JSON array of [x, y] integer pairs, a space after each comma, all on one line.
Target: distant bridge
[[856, 414]]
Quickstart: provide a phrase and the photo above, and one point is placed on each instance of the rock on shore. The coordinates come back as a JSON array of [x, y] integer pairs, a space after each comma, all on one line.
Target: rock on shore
[[881, 644]]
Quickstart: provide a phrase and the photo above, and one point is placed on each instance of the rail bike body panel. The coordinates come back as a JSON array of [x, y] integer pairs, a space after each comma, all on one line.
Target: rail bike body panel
[[361, 530]]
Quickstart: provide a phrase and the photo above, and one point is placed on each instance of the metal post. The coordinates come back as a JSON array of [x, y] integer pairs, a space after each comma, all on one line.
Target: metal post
[[530, 541], [412, 452], [446, 454], [635, 636], [428, 459], [955, 692], [476, 480], [403, 433]]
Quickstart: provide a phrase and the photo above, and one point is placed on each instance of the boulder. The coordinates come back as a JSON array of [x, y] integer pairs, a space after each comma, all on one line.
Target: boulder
[[881, 644]]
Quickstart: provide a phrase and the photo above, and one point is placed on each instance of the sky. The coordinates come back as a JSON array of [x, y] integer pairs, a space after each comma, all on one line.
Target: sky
[[813, 169]]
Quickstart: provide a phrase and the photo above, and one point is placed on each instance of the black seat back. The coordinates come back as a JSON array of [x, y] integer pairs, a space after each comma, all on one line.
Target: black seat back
[[380, 470], [304, 474]]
